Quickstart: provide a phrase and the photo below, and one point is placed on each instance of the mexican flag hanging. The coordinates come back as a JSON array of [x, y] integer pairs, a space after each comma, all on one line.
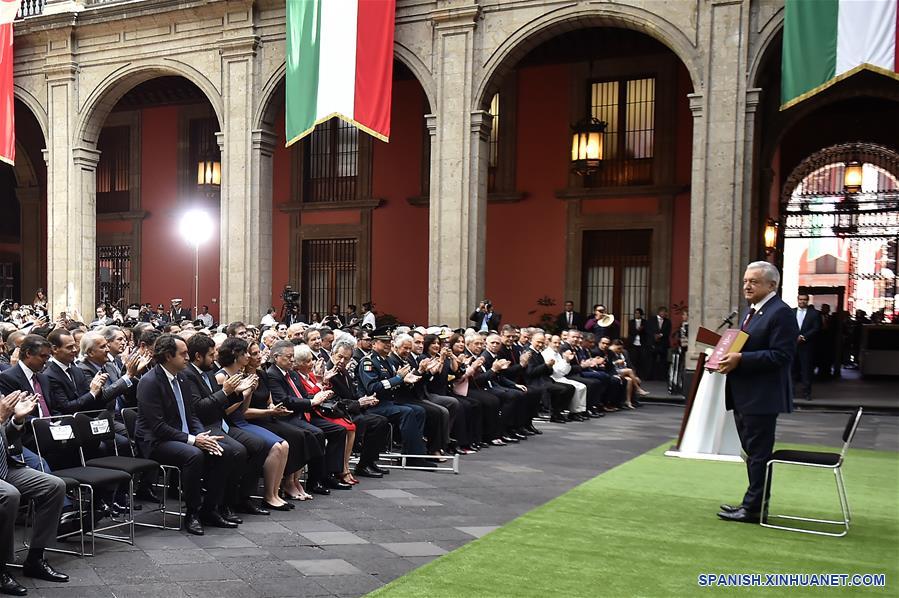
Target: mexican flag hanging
[[339, 63], [8, 10], [825, 41]]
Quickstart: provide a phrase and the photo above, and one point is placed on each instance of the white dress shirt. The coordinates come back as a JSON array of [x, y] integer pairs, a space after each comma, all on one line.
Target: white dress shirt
[[800, 316]]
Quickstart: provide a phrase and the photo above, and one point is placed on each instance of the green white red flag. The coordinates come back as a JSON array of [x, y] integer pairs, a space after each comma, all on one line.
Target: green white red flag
[[8, 10], [825, 41], [339, 63]]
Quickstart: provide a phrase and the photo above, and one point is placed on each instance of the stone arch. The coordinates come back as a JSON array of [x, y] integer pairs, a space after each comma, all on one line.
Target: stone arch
[[872, 153], [37, 110], [265, 112], [532, 34], [765, 38], [26, 175], [111, 89]]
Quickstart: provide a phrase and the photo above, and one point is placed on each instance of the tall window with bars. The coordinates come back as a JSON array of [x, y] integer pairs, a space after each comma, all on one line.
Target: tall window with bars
[[8, 271], [334, 169], [113, 170], [329, 274], [627, 106], [114, 274]]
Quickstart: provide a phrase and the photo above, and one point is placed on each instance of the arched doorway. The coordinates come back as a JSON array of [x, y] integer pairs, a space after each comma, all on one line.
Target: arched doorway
[[840, 217], [605, 237]]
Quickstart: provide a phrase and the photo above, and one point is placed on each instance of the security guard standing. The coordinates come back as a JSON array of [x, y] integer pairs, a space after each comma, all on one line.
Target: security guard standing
[[375, 376]]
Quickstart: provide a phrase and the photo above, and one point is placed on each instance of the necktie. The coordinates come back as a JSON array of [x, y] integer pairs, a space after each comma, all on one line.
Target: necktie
[[69, 374], [296, 392], [748, 319], [41, 403], [4, 466], [569, 319], [176, 388]]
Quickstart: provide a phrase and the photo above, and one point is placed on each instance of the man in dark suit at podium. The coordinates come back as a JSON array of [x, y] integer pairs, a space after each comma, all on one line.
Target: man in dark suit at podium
[[759, 384], [809, 321]]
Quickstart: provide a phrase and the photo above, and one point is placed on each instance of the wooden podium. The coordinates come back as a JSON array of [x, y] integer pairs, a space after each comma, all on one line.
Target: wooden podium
[[707, 429]]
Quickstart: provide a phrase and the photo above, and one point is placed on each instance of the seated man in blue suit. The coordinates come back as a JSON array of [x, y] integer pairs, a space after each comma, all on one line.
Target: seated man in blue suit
[[759, 384]]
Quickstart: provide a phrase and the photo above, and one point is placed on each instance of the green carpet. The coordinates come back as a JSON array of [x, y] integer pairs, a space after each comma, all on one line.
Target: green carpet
[[648, 528]]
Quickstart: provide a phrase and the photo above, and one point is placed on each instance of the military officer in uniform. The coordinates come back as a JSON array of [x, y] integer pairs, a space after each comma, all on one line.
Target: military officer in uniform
[[376, 376]]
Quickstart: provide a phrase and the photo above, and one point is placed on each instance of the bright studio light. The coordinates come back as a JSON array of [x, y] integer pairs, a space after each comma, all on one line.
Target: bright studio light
[[196, 227]]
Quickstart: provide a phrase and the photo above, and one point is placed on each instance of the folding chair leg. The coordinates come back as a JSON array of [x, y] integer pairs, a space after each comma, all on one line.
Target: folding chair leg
[[841, 488]]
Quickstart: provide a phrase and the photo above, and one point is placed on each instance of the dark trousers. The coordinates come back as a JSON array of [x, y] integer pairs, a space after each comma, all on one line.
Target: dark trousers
[[559, 394], [198, 466], [596, 388], [47, 491], [409, 418], [757, 439], [436, 423], [470, 427], [638, 356], [511, 402], [491, 424], [371, 437], [803, 367], [299, 442], [331, 439], [257, 452]]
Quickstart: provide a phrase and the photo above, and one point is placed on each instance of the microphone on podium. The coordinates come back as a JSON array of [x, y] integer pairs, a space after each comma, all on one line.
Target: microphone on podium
[[729, 320]]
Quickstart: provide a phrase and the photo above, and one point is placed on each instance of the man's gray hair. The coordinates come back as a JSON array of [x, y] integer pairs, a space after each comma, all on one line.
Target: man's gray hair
[[772, 274], [110, 332], [344, 342], [88, 341], [400, 339], [303, 354]]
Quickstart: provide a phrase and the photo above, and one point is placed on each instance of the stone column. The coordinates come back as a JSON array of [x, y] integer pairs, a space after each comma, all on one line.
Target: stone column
[[457, 218], [719, 207], [261, 177], [71, 188], [244, 256]]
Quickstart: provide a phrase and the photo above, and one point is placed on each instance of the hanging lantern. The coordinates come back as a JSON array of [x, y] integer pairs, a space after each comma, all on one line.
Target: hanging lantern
[[586, 146], [209, 172], [852, 177], [770, 235]]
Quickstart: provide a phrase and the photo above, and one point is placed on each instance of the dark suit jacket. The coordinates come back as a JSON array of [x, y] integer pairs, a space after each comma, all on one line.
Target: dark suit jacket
[[653, 328], [283, 393], [14, 379], [577, 321], [811, 324], [643, 333], [761, 384], [158, 419], [209, 405], [477, 317], [537, 373], [72, 395], [114, 386]]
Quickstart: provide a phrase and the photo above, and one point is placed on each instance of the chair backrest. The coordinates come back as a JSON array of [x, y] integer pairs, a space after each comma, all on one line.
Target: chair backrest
[[849, 430], [56, 441], [93, 428], [129, 417]]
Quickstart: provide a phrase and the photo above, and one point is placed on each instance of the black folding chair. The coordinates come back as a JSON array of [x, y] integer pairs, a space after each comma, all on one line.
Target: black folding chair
[[169, 473], [58, 446], [831, 461]]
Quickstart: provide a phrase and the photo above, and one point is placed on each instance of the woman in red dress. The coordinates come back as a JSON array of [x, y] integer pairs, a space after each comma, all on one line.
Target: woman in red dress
[[305, 365]]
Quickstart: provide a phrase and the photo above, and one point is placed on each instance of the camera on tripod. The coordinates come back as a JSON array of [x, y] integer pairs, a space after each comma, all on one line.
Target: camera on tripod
[[289, 296]]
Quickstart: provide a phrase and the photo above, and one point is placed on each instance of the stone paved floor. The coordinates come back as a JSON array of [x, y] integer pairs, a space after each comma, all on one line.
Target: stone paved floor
[[354, 541]]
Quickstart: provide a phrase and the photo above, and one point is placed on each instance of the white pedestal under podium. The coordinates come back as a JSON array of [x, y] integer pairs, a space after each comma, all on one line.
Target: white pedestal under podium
[[710, 432]]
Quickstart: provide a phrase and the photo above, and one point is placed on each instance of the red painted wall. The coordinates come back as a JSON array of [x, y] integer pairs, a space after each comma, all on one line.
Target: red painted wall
[[399, 251], [167, 260]]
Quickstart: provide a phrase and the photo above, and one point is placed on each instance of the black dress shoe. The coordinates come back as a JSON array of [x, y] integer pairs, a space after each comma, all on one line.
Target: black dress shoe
[[192, 525], [147, 494], [319, 488], [366, 471], [741, 515], [509, 439], [285, 507], [558, 418], [41, 569], [380, 470], [228, 515], [250, 508], [335, 484], [521, 434], [533, 430], [524, 431], [10, 587], [729, 508], [214, 519]]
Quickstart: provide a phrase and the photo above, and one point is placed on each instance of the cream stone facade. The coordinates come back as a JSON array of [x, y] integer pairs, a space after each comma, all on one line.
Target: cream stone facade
[[78, 57]]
